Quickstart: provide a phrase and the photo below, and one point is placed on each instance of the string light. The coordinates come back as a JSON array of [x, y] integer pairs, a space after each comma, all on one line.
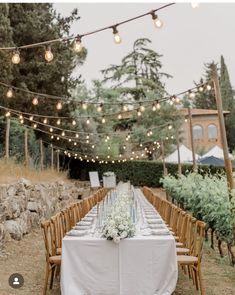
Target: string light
[[8, 114], [84, 105], [59, 139], [35, 101], [48, 54], [108, 147], [75, 143], [169, 126], [103, 120], [116, 37], [100, 108], [59, 105], [191, 94], [16, 57], [139, 113], [157, 22], [158, 106], [154, 108], [77, 135], [51, 129], [9, 93], [77, 44], [45, 121], [208, 87], [63, 133], [21, 117], [31, 118], [119, 116], [74, 122], [22, 121], [142, 108], [125, 107], [35, 125], [58, 122], [88, 121]]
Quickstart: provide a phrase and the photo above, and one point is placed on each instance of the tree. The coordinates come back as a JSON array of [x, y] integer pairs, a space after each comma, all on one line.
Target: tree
[[227, 96], [205, 99]]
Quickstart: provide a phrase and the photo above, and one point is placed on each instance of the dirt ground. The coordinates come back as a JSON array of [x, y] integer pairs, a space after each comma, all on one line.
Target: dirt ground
[[27, 257]]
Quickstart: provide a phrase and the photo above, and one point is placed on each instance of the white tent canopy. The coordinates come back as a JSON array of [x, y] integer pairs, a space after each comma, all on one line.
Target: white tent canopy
[[217, 152], [185, 155]]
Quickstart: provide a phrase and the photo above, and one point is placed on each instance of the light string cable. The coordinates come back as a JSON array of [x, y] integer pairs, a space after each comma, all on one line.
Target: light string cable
[[78, 38]]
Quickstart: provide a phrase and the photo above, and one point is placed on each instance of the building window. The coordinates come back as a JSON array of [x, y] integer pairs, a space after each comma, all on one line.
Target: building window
[[197, 132], [212, 131]]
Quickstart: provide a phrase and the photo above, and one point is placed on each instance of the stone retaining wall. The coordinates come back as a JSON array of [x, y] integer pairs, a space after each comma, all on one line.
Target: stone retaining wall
[[24, 205]]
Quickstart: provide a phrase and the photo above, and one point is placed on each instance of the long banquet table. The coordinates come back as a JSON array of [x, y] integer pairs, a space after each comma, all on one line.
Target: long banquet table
[[142, 265]]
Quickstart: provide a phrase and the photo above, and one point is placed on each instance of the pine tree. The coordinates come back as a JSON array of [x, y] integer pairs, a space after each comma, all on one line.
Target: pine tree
[[227, 96]]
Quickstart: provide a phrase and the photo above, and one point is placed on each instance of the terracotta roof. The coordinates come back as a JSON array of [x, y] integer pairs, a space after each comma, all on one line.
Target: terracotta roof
[[199, 112]]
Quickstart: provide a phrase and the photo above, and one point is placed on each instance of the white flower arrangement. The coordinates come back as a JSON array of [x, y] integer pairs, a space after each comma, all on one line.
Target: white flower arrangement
[[119, 224], [108, 173]]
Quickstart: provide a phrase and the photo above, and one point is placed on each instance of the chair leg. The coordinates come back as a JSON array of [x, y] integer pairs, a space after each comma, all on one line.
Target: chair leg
[[46, 280], [202, 290], [196, 278], [57, 271], [52, 277]]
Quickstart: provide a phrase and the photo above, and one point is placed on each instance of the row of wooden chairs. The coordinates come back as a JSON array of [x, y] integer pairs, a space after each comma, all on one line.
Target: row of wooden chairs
[[56, 228], [188, 233]]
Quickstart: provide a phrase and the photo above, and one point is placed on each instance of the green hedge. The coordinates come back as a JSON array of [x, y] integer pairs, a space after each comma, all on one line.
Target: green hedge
[[140, 173]]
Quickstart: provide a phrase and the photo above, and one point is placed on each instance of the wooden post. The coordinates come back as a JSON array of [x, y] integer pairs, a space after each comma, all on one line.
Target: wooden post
[[58, 160], [26, 147], [52, 157], [227, 161], [7, 138], [41, 154], [163, 159], [178, 152], [191, 138]]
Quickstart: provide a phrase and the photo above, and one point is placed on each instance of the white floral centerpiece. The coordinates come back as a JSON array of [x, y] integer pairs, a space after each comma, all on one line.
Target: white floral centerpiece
[[119, 224], [109, 179], [108, 173]]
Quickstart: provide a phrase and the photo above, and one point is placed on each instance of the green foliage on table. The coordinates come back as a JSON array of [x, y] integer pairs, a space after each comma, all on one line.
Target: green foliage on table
[[207, 197]]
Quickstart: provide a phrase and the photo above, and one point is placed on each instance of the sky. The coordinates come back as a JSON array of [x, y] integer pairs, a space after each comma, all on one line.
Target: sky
[[188, 39]]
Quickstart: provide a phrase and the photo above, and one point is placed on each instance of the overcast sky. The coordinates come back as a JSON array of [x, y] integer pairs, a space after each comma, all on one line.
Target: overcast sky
[[188, 39]]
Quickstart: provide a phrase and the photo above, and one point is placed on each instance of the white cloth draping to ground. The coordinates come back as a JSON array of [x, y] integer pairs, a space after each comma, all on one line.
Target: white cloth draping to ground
[[142, 265]]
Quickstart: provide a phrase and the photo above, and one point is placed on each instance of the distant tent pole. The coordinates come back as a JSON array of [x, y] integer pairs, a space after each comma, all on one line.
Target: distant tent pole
[[8, 123], [163, 159], [227, 161], [191, 138], [41, 154], [26, 155], [58, 160], [52, 157], [178, 152]]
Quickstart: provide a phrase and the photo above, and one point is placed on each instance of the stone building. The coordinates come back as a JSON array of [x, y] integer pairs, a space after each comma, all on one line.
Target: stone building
[[206, 133]]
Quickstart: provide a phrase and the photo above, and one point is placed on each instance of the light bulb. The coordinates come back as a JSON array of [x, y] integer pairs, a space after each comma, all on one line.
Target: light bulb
[[87, 137], [35, 125], [35, 101], [195, 4], [48, 54], [88, 121], [70, 139], [84, 105], [59, 105], [75, 143], [74, 122], [63, 133], [158, 106], [208, 87], [169, 127], [93, 148], [103, 120], [124, 147], [8, 114], [125, 108], [77, 44], [139, 113], [108, 147], [100, 108], [185, 120], [116, 37], [201, 89], [16, 57], [9, 93], [154, 108], [51, 129], [22, 121], [45, 120], [157, 22], [58, 122], [192, 95], [119, 116], [177, 99], [20, 117], [31, 118], [77, 135], [57, 138], [142, 108]]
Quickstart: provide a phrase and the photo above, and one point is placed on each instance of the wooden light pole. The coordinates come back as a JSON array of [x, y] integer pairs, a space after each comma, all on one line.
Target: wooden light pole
[[26, 155], [52, 157], [163, 158], [58, 160], [7, 138], [41, 154], [227, 161], [178, 152], [191, 138]]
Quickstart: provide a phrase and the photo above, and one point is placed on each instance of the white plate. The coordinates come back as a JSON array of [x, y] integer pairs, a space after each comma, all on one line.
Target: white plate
[[77, 233], [84, 222], [160, 232], [157, 226], [87, 218], [154, 221], [81, 227]]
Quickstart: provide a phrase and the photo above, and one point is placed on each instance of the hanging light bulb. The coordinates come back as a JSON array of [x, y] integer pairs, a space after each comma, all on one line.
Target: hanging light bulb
[[208, 87], [93, 148], [158, 106], [70, 139], [87, 137], [191, 94], [58, 122], [51, 129], [84, 105], [20, 117], [77, 44], [31, 118], [201, 88], [16, 57], [108, 147], [177, 99], [139, 113], [45, 120], [77, 135], [103, 120], [59, 105], [157, 22], [9, 93], [195, 5], [116, 37], [74, 122], [100, 108], [35, 125], [35, 101], [124, 147], [22, 121], [107, 137], [154, 108], [124, 107], [169, 126], [185, 120], [63, 133], [142, 108], [75, 143], [88, 121], [87, 141], [8, 114], [57, 138], [48, 54], [119, 116]]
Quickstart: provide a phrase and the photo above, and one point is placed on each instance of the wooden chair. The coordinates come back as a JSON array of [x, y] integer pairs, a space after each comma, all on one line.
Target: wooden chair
[[52, 260], [194, 260]]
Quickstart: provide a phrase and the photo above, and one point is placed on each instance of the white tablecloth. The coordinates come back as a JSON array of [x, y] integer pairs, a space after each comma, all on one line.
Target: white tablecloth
[[143, 265]]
